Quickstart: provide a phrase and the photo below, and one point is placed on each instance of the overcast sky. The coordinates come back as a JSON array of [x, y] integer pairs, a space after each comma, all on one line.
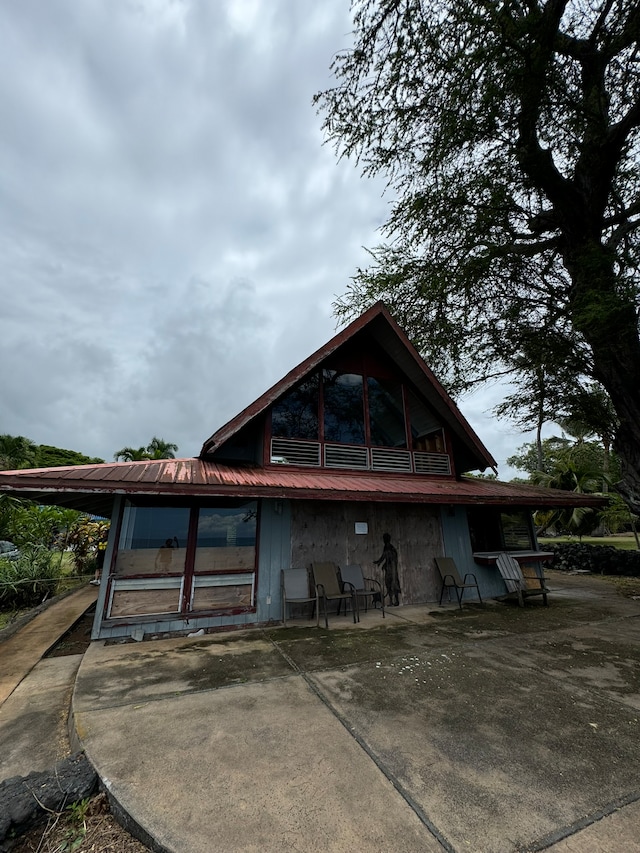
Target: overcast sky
[[172, 230]]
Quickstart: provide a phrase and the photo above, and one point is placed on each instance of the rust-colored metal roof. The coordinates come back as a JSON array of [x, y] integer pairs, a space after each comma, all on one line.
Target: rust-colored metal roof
[[379, 322], [92, 487]]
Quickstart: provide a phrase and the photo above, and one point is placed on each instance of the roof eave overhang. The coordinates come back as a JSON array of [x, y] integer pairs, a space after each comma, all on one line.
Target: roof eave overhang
[[88, 500]]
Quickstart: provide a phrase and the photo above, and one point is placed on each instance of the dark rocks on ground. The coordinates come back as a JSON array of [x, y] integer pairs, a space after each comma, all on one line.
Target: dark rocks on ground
[[597, 559], [25, 800]]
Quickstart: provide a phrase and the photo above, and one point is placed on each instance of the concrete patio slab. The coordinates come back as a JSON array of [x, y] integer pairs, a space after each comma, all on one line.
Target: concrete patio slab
[[263, 767], [492, 729]]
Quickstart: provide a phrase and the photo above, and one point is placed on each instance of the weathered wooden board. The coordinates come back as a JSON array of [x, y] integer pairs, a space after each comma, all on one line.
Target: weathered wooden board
[[325, 530], [225, 559], [143, 602], [169, 561], [148, 561], [216, 597]]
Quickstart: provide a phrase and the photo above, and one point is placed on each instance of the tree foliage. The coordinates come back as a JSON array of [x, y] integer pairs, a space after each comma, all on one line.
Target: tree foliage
[[508, 132], [84, 536], [157, 448], [18, 452], [557, 451], [54, 457], [582, 466], [27, 523], [30, 579]]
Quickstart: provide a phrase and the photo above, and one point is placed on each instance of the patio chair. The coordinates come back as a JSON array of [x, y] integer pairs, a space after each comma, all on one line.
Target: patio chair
[[516, 582], [294, 589], [451, 579], [327, 582], [366, 588]]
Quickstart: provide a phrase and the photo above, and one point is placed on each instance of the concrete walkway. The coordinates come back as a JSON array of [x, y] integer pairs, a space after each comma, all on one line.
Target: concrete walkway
[[490, 730], [27, 646], [35, 692]]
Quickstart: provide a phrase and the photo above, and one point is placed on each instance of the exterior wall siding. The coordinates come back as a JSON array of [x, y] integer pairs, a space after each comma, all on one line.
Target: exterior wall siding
[[274, 554], [325, 531], [299, 533], [457, 544]]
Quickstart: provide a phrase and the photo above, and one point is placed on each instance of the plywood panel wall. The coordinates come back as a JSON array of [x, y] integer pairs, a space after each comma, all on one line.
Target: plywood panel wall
[[326, 531]]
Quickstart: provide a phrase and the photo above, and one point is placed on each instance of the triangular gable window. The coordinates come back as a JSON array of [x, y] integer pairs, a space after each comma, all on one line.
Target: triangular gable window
[[362, 420]]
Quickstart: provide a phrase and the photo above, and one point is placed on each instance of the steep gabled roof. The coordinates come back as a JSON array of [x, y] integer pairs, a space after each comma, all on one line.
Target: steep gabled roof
[[385, 331]]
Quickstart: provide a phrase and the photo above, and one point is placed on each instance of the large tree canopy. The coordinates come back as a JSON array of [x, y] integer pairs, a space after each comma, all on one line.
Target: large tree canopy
[[509, 135]]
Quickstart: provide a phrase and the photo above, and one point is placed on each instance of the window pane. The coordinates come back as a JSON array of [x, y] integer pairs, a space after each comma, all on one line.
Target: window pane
[[153, 540], [426, 430], [227, 538], [484, 529], [492, 530], [516, 531], [343, 407], [296, 415], [386, 414]]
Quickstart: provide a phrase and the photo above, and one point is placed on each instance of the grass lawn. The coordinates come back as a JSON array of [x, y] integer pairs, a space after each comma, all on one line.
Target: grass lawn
[[624, 541]]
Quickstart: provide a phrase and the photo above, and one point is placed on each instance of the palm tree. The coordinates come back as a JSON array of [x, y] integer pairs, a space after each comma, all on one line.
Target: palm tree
[[131, 454], [571, 476], [16, 451], [157, 448]]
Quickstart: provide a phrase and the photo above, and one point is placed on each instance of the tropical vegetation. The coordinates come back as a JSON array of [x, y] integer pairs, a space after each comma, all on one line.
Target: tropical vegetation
[[509, 134], [157, 448], [18, 452]]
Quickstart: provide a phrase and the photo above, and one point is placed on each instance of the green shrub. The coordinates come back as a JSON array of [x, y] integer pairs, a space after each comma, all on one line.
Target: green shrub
[[83, 537], [30, 579]]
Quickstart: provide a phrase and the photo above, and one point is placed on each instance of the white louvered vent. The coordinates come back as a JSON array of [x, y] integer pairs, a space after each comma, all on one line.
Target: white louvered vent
[[288, 451], [341, 456], [431, 463], [384, 459]]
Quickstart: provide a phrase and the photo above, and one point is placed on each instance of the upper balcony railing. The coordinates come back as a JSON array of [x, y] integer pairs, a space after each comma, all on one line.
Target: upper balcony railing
[[314, 454]]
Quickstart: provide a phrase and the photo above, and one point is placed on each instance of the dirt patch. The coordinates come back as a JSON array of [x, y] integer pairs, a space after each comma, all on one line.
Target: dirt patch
[[629, 587], [85, 827], [76, 640]]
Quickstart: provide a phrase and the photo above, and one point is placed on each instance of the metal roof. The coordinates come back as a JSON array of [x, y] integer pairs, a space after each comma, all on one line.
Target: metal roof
[[381, 325], [91, 488]]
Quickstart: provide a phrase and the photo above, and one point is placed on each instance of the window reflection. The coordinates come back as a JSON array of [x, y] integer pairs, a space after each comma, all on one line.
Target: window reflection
[[386, 414], [226, 538], [493, 530], [340, 402], [343, 407], [153, 540], [296, 414], [426, 430]]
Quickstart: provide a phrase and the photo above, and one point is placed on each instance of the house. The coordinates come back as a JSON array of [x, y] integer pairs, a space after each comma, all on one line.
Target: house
[[357, 441]]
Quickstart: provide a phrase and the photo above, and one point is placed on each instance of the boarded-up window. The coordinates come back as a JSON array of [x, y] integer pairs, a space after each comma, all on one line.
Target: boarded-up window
[[216, 592], [144, 597], [162, 568]]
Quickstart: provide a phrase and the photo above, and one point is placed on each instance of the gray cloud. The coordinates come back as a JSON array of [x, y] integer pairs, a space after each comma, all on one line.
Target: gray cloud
[[173, 231]]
